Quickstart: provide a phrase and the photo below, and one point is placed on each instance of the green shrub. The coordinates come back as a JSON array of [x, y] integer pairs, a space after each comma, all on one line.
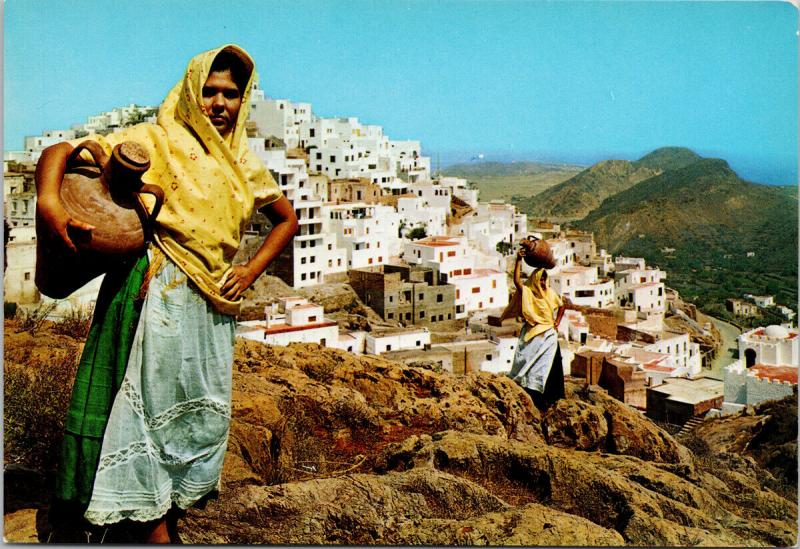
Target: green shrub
[[9, 309]]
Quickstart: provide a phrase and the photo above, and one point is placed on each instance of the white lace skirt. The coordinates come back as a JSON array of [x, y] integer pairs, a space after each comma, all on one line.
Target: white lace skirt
[[533, 360], [168, 429]]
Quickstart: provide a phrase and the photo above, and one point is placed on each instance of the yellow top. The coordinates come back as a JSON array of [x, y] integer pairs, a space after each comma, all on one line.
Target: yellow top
[[536, 303], [211, 185]]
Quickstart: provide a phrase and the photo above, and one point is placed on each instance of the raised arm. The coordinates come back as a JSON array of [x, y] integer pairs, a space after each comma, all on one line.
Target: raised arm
[[49, 210], [517, 268], [284, 227]]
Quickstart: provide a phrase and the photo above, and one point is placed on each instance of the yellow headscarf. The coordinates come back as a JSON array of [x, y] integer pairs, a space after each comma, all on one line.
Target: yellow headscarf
[[211, 185], [536, 303]]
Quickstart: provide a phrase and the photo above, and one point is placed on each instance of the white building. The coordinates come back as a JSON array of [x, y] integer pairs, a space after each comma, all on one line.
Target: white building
[[582, 287], [459, 189], [762, 300], [279, 117], [648, 299], [352, 342], [622, 263], [397, 340], [490, 224], [416, 213], [479, 289], [18, 283], [766, 369], [366, 232], [604, 262], [291, 320], [582, 246], [313, 252], [627, 278], [683, 352]]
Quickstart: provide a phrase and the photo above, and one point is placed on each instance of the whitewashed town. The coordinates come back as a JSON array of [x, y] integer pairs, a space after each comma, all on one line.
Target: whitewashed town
[[426, 255]]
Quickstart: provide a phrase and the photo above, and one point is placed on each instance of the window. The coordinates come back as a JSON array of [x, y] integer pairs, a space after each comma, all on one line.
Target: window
[[494, 284], [449, 316], [488, 357], [476, 290], [419, 343], [391, 299], [302, 261], [422, 314], [458, 293], [408, 316], [421, 297], [303, 276], [319, 155], [27, 275], [333, 159], [388, 347], [439, 298], [451, 254], [389, 315], [339, 262], [491, 300], [467, 271], [313, 275], [330, 247], [312, 318]]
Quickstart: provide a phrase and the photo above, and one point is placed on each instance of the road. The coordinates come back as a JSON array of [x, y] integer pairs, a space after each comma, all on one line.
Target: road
[[726, 355]]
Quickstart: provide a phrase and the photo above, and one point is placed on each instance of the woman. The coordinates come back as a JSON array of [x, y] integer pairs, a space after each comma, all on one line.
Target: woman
[[147, 428], [537, 360]]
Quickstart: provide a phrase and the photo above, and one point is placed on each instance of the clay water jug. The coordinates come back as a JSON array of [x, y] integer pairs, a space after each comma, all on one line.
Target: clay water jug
[[538, 253], [105, 195]]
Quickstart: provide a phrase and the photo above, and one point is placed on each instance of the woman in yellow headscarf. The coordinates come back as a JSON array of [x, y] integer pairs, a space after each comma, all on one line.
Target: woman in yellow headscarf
[[537, 359], [147, 429]]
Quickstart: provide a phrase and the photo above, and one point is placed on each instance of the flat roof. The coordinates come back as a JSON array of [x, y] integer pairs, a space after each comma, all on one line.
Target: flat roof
[[775, 373], [305, 306], [283, 328], [690, 391]]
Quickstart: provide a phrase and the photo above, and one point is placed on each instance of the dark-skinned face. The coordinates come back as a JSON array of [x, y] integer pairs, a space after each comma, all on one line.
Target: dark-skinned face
[[221, 101]]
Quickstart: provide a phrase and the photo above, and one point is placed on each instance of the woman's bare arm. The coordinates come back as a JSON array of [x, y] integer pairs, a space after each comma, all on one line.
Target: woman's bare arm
[[49, 209], [284, 227], [517, 267]]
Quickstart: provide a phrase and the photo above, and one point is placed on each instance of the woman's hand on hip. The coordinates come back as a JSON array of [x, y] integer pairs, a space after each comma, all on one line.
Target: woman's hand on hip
[[239, 278]]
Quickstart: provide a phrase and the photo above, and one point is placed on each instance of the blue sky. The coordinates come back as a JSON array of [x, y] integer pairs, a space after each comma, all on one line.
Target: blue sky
[[556, 81]]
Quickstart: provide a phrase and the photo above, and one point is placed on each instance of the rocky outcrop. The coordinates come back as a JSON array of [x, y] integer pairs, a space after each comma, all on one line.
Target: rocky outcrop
[[327, 447]]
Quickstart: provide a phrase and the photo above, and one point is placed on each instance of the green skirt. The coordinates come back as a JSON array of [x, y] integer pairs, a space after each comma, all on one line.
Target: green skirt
[[98, 379]]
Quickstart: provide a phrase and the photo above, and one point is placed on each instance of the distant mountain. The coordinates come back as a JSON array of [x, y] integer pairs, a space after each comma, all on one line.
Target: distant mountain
[[668, 158], [727, 233], [579, 195], [696, 201], [483, 169]]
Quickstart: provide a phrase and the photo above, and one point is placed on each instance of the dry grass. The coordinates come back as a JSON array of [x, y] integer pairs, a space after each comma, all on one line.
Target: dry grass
[[36, 398]]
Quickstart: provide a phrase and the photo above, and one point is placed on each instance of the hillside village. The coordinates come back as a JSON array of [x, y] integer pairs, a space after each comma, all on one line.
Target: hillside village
[[433, 263]]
